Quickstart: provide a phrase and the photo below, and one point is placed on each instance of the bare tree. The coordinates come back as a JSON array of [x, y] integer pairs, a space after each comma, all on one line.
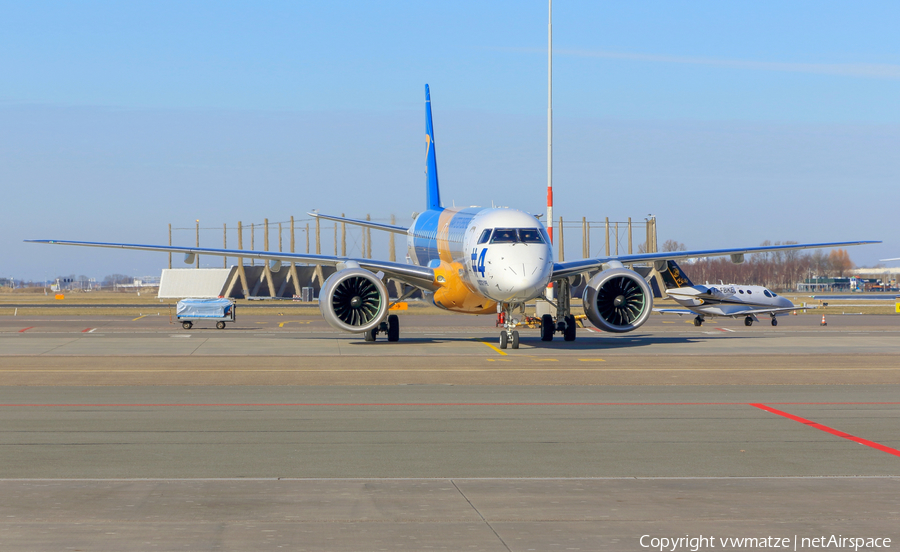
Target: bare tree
[[840, 261], [672, 245]]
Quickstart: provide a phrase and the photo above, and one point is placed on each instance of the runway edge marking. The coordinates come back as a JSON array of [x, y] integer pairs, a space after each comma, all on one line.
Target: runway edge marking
[[826, 429]]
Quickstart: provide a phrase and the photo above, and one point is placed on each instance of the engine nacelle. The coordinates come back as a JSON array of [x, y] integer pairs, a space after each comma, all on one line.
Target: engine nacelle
[[618, 300], [354, 300]]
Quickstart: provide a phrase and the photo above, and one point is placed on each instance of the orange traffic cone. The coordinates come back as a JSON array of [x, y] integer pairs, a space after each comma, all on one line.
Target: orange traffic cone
[[823, 321], [795, 313]]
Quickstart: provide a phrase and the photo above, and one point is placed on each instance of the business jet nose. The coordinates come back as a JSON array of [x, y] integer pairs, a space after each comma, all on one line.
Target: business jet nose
[[526, 272]]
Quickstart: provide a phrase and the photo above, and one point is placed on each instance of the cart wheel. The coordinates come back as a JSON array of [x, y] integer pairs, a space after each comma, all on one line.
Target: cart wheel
[[187, 325], [220, 325]]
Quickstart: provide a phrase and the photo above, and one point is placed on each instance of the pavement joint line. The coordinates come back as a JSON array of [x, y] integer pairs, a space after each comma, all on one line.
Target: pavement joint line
[[599, 478], [826, 429], [486, 522], [418, 404], [418, 370]]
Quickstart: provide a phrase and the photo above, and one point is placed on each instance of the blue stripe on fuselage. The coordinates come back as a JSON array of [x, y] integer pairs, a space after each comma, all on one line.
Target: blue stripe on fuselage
[[423, 235]]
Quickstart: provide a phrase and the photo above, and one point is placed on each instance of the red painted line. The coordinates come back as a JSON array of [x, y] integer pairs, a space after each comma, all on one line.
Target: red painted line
[[25, 329], [86, 330], [839, 403], [830, 430]]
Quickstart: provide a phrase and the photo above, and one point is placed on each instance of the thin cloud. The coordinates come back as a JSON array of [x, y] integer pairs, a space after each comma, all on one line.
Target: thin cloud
[[858, 70]]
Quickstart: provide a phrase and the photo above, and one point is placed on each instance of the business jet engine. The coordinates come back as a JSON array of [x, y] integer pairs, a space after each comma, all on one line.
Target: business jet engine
[[618, 300], [354, 300]]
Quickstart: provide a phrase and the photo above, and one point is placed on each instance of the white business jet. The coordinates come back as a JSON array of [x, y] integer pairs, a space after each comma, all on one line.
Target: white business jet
[[731, 300]]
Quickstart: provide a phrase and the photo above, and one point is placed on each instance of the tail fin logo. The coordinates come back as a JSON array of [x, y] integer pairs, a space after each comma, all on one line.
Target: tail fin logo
[[427, 144]]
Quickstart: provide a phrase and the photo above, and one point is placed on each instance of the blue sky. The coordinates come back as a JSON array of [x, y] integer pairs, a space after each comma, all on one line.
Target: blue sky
[[734, 123]]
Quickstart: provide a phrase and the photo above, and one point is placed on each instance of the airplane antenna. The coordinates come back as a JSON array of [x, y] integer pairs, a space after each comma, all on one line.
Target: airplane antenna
[[550, 121]]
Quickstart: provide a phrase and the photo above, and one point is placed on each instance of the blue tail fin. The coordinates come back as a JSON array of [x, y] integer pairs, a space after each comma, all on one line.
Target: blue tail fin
[[433, 193]]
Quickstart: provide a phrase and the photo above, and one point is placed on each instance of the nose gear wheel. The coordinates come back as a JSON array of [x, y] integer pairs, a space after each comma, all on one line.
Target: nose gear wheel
[[509, 336]]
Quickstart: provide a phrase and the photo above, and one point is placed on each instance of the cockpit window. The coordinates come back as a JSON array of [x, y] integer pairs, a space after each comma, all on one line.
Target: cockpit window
[[530, 235], [504, 235], [774, 294], [517, 235], [545, 234], [766, 293], [484, 236]]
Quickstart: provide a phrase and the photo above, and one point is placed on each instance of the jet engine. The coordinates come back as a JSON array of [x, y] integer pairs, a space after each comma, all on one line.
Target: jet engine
[[354, 300], [618, 300]]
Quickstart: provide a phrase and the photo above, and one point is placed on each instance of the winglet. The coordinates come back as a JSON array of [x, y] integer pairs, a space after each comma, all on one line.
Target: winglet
[[433, 193]]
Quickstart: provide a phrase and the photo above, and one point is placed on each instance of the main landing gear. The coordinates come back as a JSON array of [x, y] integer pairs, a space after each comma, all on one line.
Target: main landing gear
[[509, 336], [567, 326], [565, 320], [391, 327], [774, 321], [698, 321], [748, 321]]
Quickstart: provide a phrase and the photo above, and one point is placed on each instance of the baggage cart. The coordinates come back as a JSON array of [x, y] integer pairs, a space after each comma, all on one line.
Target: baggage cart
[[220, 311]]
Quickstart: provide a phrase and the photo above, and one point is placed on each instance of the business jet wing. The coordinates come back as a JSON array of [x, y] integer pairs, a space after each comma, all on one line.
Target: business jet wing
[[762, 310], [674, 311], [569, 268], [367, 223], [414, 275]]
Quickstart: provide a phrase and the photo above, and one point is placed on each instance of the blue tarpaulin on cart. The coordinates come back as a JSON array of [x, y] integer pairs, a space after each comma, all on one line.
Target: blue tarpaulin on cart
[[204, 308]]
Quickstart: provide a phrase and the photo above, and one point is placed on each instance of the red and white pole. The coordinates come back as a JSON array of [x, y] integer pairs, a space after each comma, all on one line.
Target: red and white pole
[[550, 133], [550, 122]]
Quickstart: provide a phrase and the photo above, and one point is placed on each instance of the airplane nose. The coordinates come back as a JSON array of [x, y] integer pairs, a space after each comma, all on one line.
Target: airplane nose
[[523, 278]]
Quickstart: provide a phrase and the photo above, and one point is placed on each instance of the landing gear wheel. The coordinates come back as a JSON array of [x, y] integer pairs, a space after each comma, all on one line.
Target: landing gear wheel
[[774, 322], [370, 335], [515, 340], [503, 340], [187, 325], [748, 321], [220, 325], [571, 327], [547, 328], [393, 327], [698, 321]]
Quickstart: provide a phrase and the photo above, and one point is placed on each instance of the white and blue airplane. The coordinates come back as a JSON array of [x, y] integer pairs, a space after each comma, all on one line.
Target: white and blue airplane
[[476, 261], [727, 300]]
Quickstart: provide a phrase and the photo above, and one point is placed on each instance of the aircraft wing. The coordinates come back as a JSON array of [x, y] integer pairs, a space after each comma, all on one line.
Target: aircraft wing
[[414, 275], [735, 310], [569, 268], [367, 223], [674, 311]]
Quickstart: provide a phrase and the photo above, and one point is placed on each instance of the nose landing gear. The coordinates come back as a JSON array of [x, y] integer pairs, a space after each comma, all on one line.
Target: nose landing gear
[[509, 336]]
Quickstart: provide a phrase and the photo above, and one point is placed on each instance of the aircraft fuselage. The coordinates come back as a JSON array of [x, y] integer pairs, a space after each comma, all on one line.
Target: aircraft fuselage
[[482, 257]]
